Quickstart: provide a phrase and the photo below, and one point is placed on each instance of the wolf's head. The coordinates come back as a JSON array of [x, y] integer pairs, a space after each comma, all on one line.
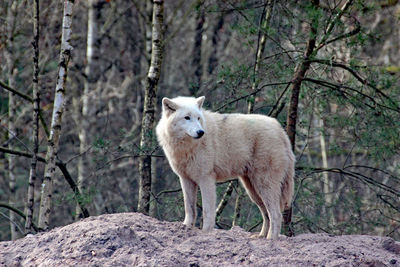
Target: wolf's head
[[184, 116]]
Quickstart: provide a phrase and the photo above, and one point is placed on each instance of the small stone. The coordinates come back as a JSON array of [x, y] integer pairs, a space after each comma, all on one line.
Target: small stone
[[393, 261]]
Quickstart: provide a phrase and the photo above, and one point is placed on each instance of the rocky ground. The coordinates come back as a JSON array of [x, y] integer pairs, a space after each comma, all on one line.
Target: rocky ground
[[132, 239]]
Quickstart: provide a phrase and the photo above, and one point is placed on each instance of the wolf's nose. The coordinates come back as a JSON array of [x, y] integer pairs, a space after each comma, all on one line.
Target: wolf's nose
[[200, 133]]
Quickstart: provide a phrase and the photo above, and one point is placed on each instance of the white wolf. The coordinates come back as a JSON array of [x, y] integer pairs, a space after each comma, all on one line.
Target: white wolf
[[203, 148]]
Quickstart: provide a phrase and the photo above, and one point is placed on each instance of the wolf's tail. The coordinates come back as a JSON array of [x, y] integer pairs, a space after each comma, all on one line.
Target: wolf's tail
[[288, 183]]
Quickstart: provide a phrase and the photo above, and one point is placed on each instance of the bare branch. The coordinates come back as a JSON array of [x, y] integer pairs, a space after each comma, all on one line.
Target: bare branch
[[224, 199], [61, 165], [356, 175], [342, 36], [334, 22], [357, 76], [18, 93], [335, 86], [17, 211], [27, 98], [250, 94]]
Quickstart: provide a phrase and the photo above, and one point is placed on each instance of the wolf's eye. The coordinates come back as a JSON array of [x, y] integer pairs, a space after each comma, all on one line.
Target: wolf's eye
[[187, 118]]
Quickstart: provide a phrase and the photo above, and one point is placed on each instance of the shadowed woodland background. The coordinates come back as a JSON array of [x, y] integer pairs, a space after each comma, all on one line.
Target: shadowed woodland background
[[341, 57]]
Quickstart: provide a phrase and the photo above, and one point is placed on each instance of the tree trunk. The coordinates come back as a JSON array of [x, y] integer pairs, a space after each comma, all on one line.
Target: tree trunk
[[10, 60], [59, 102], [36, 105], [262, 38], [213, 59], [88, 101], [196, 53], [148, 29], [327, 187], [297, 79], [147, 137]]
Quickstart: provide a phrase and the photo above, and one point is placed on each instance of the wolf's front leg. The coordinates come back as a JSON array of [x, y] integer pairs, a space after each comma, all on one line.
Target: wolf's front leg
[[189, 189], [208, 196]]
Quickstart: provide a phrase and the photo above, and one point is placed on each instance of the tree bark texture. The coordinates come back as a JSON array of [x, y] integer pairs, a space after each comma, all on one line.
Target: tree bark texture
[[148, 29], [291, 120], [262, 38], [55, 129], [327, 186], [36, 105], [10, 61], [213, 59], [88, 96], [196, 54], [147, 135], [305, 65]]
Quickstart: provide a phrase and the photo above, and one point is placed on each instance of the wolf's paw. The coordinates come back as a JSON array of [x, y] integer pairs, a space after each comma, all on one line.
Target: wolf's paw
[[189, 225], [256, 236]]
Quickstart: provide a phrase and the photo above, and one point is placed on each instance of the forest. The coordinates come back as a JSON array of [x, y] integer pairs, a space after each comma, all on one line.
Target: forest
[[81, 84]]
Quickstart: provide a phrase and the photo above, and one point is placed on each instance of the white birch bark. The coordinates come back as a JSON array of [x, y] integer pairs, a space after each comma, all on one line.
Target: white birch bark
[[148, 29], [327, 183], [87, 99], [147, 136], [55, 130]]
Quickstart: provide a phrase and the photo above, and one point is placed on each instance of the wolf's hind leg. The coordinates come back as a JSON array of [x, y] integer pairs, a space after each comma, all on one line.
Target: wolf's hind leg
[[189, 189], [256, 199], [275, 219], [269, 191]]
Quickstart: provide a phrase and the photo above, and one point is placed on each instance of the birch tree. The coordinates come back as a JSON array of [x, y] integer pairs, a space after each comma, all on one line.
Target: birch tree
[[147, 134], [148, 29], [88, 103], [55, 129], [36, 105]]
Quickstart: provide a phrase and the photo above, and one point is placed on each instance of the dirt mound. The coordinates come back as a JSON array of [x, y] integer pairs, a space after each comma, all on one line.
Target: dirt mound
[[132, 239]]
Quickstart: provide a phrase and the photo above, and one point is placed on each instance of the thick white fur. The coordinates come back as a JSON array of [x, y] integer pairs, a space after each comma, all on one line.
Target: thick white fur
[[254, 148]]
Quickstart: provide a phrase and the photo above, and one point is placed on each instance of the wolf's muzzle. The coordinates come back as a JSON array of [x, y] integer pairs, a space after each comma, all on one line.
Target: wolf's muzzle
[[200, 133]]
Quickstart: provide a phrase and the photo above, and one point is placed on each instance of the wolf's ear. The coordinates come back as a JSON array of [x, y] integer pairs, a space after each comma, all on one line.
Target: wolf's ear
[[169, 106], [200, 101]]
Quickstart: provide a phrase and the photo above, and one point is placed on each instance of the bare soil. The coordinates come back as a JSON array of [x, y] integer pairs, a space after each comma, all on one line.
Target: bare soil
[[132, 239]]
